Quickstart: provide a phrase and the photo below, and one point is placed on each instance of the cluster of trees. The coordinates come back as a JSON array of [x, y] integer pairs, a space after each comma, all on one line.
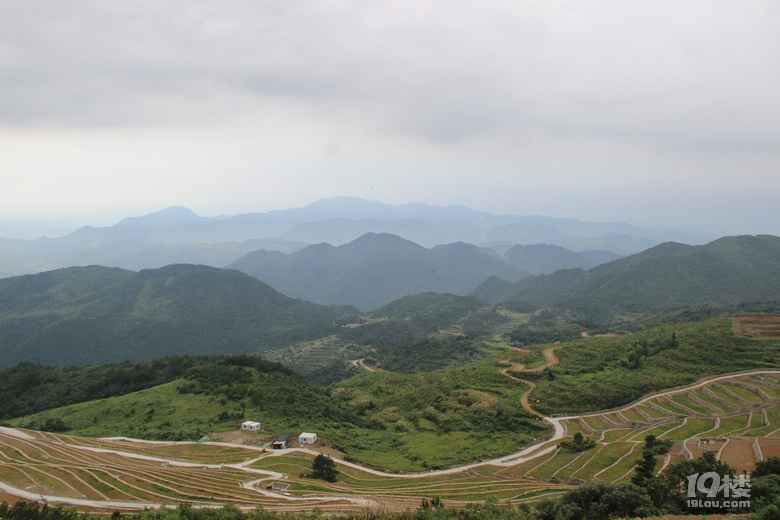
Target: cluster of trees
[[428, 354], [550, 325], [577, 444], [413, 318]]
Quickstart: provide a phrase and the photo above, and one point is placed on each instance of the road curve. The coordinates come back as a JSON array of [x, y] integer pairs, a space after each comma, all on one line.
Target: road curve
[[529, 453]]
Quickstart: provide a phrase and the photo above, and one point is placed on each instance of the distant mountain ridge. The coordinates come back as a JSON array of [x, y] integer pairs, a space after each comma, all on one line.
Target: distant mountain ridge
[[178, 235], [375, 269], [83, 315], [727, 271]]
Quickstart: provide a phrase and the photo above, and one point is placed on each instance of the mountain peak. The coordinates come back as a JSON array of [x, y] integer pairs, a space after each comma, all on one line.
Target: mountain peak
[[166, 218]]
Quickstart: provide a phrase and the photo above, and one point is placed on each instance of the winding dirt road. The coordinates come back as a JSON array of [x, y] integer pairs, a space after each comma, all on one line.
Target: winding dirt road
[[550, 359]]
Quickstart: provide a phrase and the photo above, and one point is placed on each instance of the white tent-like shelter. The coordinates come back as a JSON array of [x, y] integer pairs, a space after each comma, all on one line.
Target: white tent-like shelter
[[307, 438]]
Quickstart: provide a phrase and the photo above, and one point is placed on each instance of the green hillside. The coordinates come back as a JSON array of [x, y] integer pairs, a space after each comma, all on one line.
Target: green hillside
[[214, 394], [393, 421], [601, 373], [94, 314], [727, 271]]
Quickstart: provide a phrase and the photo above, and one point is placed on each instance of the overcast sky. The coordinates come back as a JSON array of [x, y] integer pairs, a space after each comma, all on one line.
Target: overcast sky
[[661, 114]]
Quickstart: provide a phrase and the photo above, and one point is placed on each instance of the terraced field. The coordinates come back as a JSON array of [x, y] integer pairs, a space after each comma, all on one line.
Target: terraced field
[[125, 475], [736, 416]]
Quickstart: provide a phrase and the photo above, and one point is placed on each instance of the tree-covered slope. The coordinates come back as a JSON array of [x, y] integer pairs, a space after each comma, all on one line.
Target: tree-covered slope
[[546, 258], [86, 315], [374, 270], [726, 271]]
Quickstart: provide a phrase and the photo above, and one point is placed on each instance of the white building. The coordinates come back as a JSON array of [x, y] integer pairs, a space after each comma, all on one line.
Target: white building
[[307, 438], [250, 426]]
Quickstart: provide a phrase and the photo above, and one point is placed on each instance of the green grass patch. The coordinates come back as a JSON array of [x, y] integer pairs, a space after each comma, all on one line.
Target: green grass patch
[[721, 392], [562, 459], [704, 396], [773, 417], [729, 425], [572, 469], [656, 431], [632, 415], [771, 390], [744, 393], [669, 405], [148, 414], [691, 428], [652, 412], [608, 455], [616, 435], [624, 466], [597, 423], [691, 404]]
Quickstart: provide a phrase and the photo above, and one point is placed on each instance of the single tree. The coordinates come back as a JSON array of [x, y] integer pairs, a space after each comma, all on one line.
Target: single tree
[[323, 468]]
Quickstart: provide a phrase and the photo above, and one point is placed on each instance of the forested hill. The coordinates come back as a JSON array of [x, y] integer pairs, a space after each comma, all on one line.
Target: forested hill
[[727, 271], [90, 315], [375, 269]]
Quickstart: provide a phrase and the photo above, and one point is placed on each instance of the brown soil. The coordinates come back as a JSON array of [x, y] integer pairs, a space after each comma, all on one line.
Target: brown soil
[[550, 359], [769, 447], [242, 437], [764, 327], [738, 453]]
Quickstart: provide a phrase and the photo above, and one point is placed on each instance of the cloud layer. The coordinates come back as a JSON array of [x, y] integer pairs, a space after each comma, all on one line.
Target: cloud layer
[[652, 112]]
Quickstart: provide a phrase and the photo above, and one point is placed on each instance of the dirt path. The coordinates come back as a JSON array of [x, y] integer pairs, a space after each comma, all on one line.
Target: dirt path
[[550, 359], [359, 363]]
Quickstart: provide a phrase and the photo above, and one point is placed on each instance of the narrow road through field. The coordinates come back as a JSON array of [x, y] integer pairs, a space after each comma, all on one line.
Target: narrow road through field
[[550, 359]]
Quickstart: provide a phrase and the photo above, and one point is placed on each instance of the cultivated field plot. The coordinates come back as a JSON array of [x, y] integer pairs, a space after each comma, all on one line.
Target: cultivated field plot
[[122, 474], [764, 327], [735, 416]]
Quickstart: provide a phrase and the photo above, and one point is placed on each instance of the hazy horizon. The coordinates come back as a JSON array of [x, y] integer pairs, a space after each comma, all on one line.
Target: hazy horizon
[[658, 114], [30, 228]]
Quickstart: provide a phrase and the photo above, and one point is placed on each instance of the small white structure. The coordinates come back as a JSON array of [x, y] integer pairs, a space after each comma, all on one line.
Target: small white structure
[[250, 426], [307, 438]]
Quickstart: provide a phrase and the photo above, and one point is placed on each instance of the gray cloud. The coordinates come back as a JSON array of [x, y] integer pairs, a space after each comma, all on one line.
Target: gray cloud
[[652, 79]]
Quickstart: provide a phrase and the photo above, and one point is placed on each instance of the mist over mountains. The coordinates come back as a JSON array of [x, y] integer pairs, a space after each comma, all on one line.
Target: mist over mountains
[[178, 235]]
